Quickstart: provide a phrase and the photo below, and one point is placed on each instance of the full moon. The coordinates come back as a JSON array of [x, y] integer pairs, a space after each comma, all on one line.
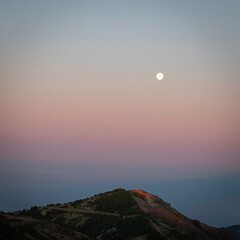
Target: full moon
[[159, 76]]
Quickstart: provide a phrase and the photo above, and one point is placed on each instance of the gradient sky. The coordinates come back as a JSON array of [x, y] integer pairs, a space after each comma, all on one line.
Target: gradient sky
[[80, 103]]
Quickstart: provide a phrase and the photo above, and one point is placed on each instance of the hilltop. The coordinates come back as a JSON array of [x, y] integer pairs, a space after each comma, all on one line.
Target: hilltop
[[117, 214]]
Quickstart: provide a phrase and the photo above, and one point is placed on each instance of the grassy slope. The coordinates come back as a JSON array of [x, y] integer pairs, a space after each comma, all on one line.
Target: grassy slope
[[112, 215]]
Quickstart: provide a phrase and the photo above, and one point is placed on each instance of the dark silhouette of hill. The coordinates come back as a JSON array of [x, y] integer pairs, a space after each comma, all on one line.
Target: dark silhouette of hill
[[236, 230], [118, 214]]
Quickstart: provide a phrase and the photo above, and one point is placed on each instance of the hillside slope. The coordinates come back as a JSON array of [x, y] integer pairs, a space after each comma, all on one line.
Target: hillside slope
[[236, 230], [118, 214]]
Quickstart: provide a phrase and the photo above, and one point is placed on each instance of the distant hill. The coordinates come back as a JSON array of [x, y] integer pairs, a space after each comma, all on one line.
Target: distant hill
[[118, 214], [236, 230]]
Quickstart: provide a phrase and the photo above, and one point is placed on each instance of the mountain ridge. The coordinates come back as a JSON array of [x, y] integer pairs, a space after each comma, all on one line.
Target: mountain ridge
[[118, 214]]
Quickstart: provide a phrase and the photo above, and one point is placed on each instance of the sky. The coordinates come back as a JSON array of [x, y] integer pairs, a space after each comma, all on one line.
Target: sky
[[81, 110]]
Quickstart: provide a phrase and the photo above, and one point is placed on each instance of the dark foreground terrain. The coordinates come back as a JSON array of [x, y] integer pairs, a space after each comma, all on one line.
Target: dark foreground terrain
[[119, 214], [236, 230]]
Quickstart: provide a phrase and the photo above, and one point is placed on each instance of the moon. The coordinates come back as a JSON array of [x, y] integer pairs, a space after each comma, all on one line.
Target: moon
[[159, 76]]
